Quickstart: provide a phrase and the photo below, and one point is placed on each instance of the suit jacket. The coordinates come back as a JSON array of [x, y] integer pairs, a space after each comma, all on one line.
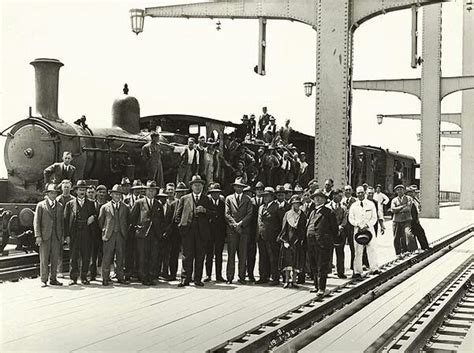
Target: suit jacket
[[44, 218], [56, 173], [70, 216], [217, 219], [268, 222], [186, 213], [106, 218], [322, 227], [255, 206], [130, 199], [147, 222], [235, 213], [169, 224]]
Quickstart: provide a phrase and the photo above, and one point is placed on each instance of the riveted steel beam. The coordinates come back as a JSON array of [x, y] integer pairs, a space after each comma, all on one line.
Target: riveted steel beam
[[454, 118], [410, 85], [451, 134], [454, 84], [295, 10]]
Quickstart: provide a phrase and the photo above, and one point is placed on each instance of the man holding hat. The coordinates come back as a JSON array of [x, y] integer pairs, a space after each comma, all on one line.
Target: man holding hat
[[113, 220], [401, 205], [321, 232], [215, 245], [147, 219], [48, 226], [151, 153], [238, 214], [192, 216], [79, 214], [363, 216]]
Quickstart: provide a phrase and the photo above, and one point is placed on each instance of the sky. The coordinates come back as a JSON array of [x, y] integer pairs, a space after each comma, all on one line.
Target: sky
[[187, 66]]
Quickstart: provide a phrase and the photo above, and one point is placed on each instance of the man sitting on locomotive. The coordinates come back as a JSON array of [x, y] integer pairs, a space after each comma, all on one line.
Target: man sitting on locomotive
[[57, 172]]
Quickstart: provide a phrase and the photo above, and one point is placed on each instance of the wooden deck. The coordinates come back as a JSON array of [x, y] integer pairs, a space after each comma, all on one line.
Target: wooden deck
[[163, 318]]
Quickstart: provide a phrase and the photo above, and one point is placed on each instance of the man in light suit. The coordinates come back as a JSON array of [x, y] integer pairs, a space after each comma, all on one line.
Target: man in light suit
[[113, 221], [48, 223], [238, 214], [192, 216], [57, 172]]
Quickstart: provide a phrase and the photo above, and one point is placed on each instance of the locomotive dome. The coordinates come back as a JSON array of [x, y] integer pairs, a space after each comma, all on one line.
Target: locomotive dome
[[126, 112]]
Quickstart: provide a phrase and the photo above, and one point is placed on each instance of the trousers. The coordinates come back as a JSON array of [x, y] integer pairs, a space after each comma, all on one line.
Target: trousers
[[113, 248], [49, 252]]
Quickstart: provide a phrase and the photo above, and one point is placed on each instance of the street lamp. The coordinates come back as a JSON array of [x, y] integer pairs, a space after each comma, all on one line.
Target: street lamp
[[137, 16], [379, 119], [308, 88]]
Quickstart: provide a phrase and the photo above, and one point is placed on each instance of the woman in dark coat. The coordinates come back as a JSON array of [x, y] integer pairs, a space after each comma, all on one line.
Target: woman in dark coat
[[291, 260]]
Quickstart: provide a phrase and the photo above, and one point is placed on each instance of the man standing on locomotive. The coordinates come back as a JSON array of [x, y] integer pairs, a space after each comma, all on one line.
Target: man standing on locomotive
[[57, 172], [151, 152], [79, 214], [48, 223], [189, 164]]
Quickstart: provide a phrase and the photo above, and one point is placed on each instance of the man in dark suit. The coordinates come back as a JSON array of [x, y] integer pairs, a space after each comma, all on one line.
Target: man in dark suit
[[57, 172], [216, 242], [96, 241], [321, 232], [48, 223], [113, 221], [268, 230], [131, 262], [169, 229], [147, 219], [238, 214], [192, 216], [307, 207], [257, 201], [79, 214]]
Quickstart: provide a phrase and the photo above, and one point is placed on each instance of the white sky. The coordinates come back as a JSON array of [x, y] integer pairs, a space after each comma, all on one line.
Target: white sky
[[186, 66]]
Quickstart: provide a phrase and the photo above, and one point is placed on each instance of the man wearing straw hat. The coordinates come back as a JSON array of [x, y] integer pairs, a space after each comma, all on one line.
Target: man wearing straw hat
[[48, 221], [238, 214], [113, 220], [192, 216]]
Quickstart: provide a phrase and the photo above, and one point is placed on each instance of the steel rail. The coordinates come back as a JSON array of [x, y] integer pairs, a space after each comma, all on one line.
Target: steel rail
[[423, 333], [285, 327]]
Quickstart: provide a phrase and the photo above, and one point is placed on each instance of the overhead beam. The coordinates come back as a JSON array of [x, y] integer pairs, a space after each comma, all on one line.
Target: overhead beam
[[410, 85], [454, 118], [453, 84]]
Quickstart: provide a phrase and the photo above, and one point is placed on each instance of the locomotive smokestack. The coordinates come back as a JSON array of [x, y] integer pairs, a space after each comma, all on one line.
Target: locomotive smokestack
[[46, 83]]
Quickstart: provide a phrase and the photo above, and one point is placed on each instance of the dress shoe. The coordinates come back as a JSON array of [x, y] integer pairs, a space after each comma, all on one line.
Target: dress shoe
[[127, 278], [229, 281], [105, 282], [220, 279], [122, 281], [342, 275], [275, 283], [55, 282], [85, 282], [45, 284], [376, 272], [314, 290], [252, 279], [242, 281], [199, 284], [73, 282], [207, 279], [356, 276], [92, 279], [300, 281], [183, 284], [294, 285], [262, 281], [286, 285], [169, 278], [321, 293]]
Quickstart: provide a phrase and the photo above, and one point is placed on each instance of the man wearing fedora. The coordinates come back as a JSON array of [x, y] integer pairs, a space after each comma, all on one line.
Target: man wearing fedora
[[130, 258], [48, 226], [192, 216], [176, 242], [216, 242], [363, 217], [257, 201], [151, 153], [113, 221], [96, 241], [416, 227], [79, 214], [147, 220], [322, 230], [238, 214], [403, 238], [57, 172]]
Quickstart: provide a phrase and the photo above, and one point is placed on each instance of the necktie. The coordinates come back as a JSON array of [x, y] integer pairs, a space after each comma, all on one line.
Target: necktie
[[287, 165], [53, 204], [238, 200], [196, 199], [361, 204]]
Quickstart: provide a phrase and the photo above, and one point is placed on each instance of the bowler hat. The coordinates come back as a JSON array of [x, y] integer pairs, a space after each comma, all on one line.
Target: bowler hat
[[363, 237], [81, 184], [280, 189], [319, 192], [268, 190], [238, 182], [116, 188], [215, 187], [137, 184], [196, 179], [151, 184], [51, 188]]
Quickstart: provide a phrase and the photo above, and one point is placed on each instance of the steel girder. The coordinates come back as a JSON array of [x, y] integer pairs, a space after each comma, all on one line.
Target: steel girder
[[454, 118]]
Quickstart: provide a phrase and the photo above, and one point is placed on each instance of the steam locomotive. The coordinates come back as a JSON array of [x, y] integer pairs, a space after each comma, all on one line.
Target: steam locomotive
[[105, 155]]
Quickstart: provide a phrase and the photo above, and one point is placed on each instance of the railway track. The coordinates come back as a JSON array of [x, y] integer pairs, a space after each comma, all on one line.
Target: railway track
[[15, 267], [303, 324]]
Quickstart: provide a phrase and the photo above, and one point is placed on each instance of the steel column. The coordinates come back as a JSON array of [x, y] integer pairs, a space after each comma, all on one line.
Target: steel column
[[467, 116], [333, 59], [430, 111]]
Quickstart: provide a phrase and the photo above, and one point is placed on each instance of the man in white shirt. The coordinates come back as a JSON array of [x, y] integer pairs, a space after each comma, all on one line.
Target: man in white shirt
[[380, 197], [363, 216], [189, 165]]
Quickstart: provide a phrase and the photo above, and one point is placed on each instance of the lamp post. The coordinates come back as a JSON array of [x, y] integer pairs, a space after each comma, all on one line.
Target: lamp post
[[137, 17], [308, 88]]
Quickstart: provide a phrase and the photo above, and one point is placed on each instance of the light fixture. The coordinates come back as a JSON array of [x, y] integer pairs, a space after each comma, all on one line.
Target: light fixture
[[308, 88], [379, 119], [137, 17]]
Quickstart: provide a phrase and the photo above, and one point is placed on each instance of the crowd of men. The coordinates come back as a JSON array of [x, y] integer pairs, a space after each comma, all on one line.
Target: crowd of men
[[141, 230]]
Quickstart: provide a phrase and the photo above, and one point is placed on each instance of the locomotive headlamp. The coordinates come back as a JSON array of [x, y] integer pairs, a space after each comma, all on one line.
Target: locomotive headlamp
[[379, 119], [137, 17], [308, 88]]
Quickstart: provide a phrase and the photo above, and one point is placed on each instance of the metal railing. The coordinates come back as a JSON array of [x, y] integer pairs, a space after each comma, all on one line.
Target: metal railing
[[449, 196]]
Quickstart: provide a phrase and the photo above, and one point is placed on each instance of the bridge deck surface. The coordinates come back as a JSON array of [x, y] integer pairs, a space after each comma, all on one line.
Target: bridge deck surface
[[160, 318]]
